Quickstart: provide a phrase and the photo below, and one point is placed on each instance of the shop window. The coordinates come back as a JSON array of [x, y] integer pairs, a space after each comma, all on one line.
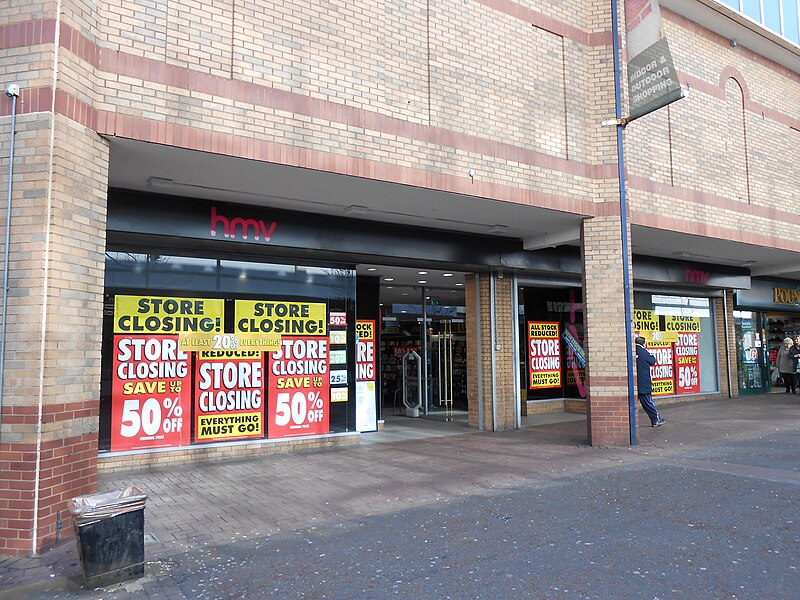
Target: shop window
[[791, 25], [154, 271], [553, 364], [680, 333], [752, 8], [779, 16], [203, 350], [772, 15], [751, 348]]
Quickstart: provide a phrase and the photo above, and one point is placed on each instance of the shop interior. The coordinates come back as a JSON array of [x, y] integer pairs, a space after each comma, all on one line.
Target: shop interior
[[759, 335], [562, 306], [422, 339], [779, 326]]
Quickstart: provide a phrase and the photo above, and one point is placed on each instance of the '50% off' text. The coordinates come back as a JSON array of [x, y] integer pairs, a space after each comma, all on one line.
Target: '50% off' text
[[153, 418]]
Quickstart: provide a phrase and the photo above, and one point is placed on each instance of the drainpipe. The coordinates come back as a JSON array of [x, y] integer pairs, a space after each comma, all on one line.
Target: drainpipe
[[493, 335], [727, 342], [424, 383], [12, 91], [478, 358], [515, 351]]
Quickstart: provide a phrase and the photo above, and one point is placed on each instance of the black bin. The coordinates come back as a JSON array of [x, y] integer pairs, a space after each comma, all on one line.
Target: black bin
[[110, 531]]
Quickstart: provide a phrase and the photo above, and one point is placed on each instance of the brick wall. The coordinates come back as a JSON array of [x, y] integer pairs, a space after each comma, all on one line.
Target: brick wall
[[713, 152], [726, 347], [413, 85], [496, 379], [52, 357], [202, 454], [605, 339], [344, 87], [478, 328], [48, 436], [411, 92]]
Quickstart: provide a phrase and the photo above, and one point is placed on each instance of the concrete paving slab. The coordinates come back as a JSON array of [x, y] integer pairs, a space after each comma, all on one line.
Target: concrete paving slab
[[224, 521]]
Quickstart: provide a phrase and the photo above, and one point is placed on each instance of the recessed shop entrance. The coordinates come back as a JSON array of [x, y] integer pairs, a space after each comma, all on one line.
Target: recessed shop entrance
[[422, 357]]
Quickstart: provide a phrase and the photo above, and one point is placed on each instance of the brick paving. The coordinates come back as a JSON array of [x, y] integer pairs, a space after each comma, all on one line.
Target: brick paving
[[193, 507]]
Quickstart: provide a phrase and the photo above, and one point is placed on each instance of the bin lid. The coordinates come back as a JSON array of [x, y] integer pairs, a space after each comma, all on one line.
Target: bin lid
[[107, 504]]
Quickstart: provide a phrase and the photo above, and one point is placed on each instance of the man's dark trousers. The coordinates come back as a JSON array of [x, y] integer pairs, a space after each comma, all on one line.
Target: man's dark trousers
[[646, 400]]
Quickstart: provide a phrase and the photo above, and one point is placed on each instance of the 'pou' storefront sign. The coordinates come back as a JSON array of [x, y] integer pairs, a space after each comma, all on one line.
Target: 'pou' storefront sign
[[769, 294], [786, 296]]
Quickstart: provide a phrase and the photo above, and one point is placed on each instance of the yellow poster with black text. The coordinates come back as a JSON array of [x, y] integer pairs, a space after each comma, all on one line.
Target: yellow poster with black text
[[652, 327], [678, 324], [281, 317], [157, 315]]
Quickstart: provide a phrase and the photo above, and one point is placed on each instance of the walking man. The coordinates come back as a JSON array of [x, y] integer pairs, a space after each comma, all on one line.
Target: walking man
[[644, 383]]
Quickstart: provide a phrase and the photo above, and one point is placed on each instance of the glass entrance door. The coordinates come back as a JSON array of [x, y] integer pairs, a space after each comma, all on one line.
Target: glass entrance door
[[448, 365], [751, 352]]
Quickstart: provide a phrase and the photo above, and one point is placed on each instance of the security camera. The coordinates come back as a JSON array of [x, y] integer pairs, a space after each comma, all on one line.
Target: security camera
[[12, 90]]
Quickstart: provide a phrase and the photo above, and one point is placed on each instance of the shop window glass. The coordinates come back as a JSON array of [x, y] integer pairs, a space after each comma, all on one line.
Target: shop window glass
[[553, 363], [751, 348], [680, 332], [772, 15], [791, 28], [168, 272], [283, 354], [752, 8], [787, 26]]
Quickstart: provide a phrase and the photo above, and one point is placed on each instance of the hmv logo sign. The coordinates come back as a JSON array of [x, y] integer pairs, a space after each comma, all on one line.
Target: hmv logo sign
[[696, 275], [239, 228]]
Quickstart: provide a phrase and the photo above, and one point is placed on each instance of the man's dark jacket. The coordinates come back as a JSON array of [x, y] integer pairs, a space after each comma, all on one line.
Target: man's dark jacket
[[644, 383]]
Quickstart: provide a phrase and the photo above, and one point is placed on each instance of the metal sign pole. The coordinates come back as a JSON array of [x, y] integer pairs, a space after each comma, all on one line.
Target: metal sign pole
[[623, 208]]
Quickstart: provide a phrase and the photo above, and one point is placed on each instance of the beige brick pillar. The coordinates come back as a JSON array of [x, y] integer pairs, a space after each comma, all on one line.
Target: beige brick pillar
[[726, 347], [493, 399], [607, 377], [51, 367], [51, 383]]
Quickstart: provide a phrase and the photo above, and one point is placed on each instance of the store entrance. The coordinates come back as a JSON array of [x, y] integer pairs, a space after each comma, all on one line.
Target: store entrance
[[759, 336], [437, 357], [779, 327], [448, 371], [423, 342], [753, 350]]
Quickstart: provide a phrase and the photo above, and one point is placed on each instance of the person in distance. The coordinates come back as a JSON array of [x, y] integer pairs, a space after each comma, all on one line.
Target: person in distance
[[644, 382]]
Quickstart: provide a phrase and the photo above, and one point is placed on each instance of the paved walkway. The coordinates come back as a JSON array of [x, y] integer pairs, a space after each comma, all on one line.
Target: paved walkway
[[193, 508]]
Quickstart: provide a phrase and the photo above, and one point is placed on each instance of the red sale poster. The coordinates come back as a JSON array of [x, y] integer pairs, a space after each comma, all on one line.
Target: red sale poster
[[365, 351], [229, 395], [544, 354], [366, 375], [299, 388], [662, 373], [150, 388], [687, 363]]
